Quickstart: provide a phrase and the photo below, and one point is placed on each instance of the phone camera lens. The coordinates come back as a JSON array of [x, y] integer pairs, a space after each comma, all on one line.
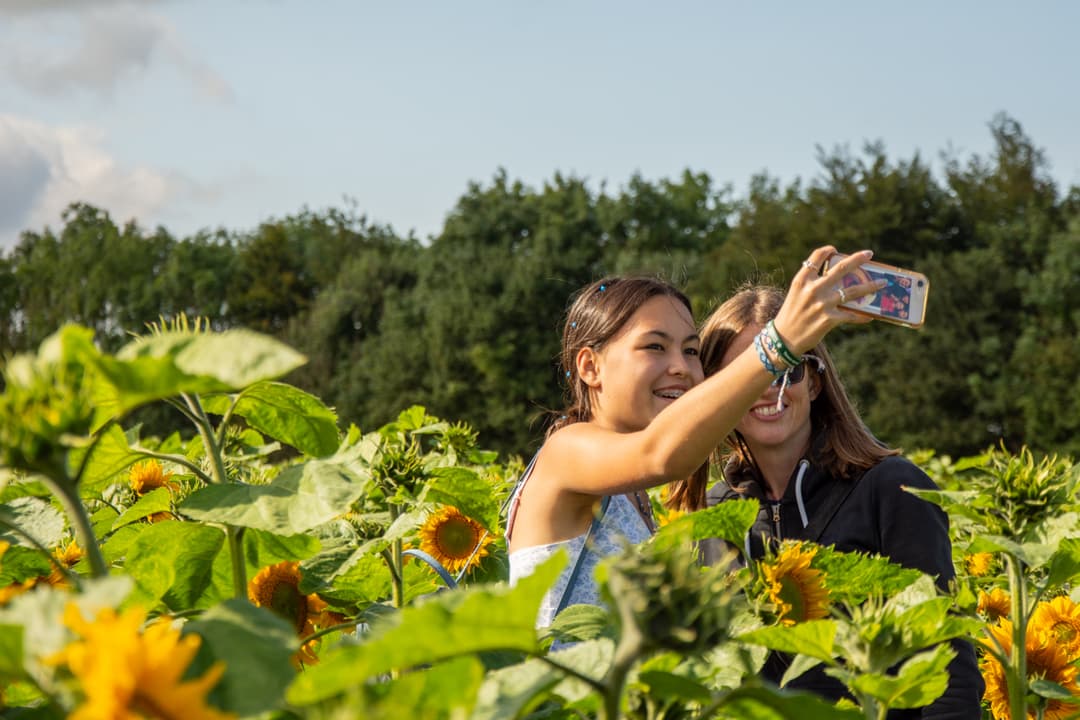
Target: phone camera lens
[[919, 283]]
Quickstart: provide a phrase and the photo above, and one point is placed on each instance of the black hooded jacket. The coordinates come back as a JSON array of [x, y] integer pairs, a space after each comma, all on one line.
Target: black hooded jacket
[[871, 513]]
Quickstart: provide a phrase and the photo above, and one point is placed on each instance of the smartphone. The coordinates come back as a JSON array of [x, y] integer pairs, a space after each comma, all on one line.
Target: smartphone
[[902, 301]]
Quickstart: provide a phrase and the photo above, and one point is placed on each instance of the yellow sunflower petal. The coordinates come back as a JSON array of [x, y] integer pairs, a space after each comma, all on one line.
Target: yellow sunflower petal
[[797, 589], [1060, 618], [148, 475], [451, 537], [125, 672], [995, 604]]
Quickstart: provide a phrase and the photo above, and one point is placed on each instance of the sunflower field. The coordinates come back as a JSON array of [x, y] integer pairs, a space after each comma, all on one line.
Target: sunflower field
[[262, 562]]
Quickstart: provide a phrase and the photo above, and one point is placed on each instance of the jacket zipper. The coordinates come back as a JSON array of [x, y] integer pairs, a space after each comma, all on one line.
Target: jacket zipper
[[776, 520]]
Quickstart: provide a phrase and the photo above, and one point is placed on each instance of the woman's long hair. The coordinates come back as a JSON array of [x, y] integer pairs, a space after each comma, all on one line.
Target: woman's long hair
[[843, 443]]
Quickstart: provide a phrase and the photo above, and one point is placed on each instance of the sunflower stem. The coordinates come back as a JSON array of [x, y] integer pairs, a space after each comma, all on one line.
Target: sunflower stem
[[80, 521], [395, 560], [236, 554], [1016, 679]]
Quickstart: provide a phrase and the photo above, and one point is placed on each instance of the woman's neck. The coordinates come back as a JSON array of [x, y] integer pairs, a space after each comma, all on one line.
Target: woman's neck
[[776, 465]]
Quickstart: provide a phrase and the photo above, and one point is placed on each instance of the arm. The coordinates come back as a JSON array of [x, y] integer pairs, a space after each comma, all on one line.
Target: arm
[[587, 459]]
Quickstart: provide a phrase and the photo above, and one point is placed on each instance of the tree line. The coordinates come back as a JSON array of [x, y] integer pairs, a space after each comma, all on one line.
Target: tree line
[[467, 324]]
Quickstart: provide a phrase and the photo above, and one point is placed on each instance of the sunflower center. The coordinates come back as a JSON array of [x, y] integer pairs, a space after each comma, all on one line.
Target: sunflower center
[[286, 601], [456, 538], [1064, 632]]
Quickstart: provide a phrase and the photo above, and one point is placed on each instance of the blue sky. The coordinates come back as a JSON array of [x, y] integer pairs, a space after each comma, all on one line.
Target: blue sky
[[197, 114]]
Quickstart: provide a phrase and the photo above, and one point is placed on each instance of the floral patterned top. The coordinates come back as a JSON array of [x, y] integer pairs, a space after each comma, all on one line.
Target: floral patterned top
[[621, 523]]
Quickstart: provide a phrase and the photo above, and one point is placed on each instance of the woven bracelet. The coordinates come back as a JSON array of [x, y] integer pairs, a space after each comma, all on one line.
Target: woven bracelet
[[789, 358], [764, 357]]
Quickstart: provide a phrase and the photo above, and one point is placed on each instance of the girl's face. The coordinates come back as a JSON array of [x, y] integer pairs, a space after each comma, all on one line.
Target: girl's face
[[764, 427], [645, 367]]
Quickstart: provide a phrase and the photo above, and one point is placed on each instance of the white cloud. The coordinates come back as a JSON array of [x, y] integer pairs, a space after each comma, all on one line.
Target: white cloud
[[96, 49], [43, 169]]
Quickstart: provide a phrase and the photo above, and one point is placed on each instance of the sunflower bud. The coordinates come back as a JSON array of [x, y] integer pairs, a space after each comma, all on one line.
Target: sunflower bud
[[45, 409], [673, 601]]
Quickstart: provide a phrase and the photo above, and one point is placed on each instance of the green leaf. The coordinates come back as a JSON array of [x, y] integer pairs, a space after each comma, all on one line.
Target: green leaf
[[157, 500], [446, 625], [1064, 565], [468, 492], [581, 622], [300, 498], [255, 645], [728, 520], [285, 413], [110, 456], [852, 577], [1052, 691], [166, 364], [509, 691], [35, 517], [766, 703], [21, 563], [180, 553], [11, 651], [447, 690], [670, 686], [813, 637], [921, 680]]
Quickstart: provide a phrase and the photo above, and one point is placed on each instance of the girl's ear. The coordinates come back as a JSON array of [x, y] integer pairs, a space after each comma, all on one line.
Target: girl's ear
[[588, 367]]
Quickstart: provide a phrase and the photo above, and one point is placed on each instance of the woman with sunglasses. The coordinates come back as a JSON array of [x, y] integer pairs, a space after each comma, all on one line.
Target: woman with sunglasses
[[804, 453]]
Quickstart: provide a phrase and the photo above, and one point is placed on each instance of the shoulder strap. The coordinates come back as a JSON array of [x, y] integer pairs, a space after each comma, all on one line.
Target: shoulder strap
[[581, 555]]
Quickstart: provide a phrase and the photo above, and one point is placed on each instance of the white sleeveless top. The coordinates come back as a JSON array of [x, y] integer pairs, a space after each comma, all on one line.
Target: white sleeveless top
[[621, 524]]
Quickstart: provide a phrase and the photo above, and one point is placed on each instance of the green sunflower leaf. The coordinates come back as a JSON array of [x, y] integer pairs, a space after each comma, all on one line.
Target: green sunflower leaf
[[285, 413], [921, 680], [156, 501], [32, 516], [506, 692], [299, 498], [813, 637], [164, 365], [1064, 565], [172, 561], [444, 691], [728, 520], [467, 491], [446, 625], [255, 645]]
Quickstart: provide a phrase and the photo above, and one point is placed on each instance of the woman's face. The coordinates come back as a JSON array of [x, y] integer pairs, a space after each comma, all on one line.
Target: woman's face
[[646, 366], [766, 427]]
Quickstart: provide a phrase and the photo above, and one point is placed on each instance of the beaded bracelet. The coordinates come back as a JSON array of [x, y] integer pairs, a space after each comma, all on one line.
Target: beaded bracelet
[[764, 357], [790, 359]]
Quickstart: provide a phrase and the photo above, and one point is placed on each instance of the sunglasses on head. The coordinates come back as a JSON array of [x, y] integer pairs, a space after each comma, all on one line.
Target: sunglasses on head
[[795, 375]]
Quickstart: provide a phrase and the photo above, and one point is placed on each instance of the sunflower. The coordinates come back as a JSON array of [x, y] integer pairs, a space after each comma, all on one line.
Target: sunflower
[[454, 540], [978, 564], [277, 588], [797, 589], [1060, 619], [1046, 660], [147, 476], [128, 674], [68, 555], [995, 604]]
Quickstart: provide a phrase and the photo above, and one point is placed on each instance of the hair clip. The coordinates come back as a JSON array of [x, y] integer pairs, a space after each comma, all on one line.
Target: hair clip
[[602, 288], [573, 324], [567, 373]]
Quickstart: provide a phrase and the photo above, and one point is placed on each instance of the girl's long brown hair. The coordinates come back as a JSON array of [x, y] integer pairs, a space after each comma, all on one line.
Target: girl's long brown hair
[[846, 445]]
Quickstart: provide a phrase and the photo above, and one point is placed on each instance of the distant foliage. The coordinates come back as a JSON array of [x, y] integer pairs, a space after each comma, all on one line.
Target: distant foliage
[[466, 323]]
